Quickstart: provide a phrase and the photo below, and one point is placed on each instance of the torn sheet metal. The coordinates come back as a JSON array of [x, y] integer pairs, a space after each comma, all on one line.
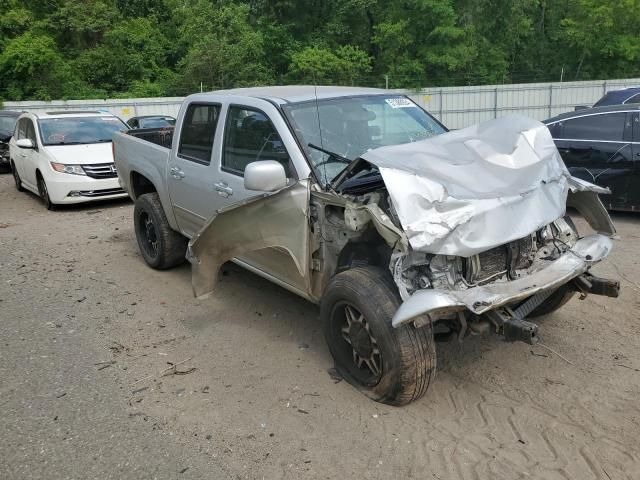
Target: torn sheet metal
[[586, 252], [275, 220], [357, 215], [470, 190]]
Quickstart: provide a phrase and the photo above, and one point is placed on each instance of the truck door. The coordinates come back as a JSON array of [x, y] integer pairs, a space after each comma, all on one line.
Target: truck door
[[251, 136], [190, 170]]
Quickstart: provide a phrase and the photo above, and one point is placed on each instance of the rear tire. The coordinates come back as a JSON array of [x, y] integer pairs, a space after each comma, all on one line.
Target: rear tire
[[390, 365], [43, 191], [16, 178], [160, 245]]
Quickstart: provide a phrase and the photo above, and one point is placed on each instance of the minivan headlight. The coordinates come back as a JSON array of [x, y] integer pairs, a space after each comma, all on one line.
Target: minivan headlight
[[70, 169]]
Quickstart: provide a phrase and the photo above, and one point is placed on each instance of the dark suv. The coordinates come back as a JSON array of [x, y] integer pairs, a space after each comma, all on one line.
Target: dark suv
[[619, 97], [7, 124], [602, 145]]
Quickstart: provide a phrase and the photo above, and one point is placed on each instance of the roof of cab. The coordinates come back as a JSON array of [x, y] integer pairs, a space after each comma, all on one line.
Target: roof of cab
[[300, 93], [591, 111]]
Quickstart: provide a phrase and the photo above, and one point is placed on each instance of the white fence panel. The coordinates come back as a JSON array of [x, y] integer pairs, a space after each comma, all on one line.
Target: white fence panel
[[456, 107], [124, 108]]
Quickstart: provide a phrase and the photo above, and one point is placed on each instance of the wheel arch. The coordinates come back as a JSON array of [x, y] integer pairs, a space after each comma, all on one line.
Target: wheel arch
[[140, 185]]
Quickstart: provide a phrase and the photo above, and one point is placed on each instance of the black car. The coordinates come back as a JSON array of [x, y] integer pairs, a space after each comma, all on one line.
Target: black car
[[151, 121], [7, 124], [619, 97], [602, 145]]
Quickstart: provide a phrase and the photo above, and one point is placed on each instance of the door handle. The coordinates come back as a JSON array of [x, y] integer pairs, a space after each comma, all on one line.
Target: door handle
[[223, 189], [176, 173], [23, 155]]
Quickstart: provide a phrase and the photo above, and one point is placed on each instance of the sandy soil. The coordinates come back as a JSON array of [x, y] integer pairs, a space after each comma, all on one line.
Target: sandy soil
[[87, 330]]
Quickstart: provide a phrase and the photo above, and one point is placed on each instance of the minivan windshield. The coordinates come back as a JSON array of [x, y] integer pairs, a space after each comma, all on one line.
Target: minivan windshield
[[79, 130], [351, 126]]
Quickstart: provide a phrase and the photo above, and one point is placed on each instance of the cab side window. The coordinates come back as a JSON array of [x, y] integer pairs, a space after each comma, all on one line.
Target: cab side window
[[198, 132], [607, 127], [250, 137]]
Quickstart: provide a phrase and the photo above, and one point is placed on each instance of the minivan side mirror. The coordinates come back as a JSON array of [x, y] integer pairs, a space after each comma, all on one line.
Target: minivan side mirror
[[25, 143], [265, 176]]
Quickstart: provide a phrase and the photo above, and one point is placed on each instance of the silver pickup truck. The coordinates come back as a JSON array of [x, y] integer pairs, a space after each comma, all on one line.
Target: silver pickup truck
[[359, 200]]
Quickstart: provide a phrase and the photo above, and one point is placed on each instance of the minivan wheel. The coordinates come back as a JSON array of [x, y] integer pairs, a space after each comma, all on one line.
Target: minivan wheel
[[389, 365], [16, 178], [44, 193], [160, 245]]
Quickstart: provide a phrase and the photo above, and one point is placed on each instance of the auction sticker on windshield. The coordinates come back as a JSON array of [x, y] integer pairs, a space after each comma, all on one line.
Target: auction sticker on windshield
[[400, 102]]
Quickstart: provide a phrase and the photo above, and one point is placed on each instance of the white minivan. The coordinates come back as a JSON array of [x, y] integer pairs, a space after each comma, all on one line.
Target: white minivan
[[66, 157]]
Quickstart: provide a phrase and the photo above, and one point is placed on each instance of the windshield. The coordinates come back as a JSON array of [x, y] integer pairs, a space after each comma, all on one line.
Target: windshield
[[78, 130], [352, 126], [157, 122], [7, 123]]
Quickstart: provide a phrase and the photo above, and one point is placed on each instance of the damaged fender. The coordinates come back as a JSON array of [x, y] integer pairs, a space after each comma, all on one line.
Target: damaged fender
[[277, 220]]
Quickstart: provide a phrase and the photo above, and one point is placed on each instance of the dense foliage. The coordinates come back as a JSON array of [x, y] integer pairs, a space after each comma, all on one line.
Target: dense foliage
[[104, 48]]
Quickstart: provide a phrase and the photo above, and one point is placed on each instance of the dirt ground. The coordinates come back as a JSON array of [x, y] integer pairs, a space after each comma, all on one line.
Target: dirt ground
[[87, 333]]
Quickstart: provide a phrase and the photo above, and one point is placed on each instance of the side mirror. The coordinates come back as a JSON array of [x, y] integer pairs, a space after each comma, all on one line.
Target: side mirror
[[265, 176], [25, 143]]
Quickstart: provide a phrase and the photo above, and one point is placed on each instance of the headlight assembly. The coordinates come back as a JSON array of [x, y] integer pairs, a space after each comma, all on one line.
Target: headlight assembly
[[70, 169]]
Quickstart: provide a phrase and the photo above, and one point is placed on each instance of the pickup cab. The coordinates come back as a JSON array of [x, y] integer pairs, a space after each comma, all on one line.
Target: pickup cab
[[360, 201]]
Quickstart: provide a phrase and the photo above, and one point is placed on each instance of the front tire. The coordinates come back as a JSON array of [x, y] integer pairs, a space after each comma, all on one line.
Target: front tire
[[16, 178], [390, 365], [44, 192], [160, 245]]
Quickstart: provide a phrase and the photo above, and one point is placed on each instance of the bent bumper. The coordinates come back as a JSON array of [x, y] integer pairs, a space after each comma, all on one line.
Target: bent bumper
[[586, 252]]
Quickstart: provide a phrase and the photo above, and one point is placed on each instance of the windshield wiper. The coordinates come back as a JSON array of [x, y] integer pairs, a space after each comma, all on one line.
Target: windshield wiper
[[63, 143], [337, 156]]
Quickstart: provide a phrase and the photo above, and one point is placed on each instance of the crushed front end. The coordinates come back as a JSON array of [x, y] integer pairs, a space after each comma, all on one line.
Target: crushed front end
[[489, 243], [503, 286]]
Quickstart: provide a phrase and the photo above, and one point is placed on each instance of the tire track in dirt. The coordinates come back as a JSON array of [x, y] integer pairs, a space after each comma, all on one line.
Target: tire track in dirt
[[471, 432]]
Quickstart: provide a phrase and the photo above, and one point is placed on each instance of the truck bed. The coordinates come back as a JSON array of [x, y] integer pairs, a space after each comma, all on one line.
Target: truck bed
[[137, 157], [162, 136]]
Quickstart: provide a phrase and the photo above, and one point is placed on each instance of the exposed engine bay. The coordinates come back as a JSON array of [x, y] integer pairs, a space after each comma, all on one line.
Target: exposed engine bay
[[506, 262]]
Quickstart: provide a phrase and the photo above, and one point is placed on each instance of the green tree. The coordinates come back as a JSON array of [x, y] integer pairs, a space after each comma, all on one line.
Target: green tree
[[224, 50], [612, 47], [347, 65], [132, 51], [32, 68]]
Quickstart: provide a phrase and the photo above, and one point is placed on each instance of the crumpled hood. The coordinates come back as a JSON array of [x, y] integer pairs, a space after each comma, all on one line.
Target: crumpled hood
[[473, 189]]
